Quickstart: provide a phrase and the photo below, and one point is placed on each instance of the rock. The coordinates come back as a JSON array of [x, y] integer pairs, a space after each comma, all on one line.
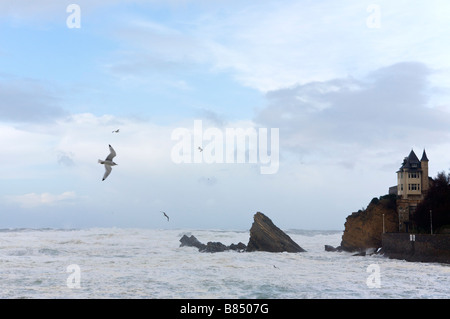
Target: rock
[[331, 248], [239, 247], [363, 229], [265, 236], [361, 253], [191, 242], [214, 247], [210, 247]]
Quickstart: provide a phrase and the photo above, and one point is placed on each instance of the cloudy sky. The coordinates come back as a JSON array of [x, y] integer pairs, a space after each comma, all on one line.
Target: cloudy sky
[[351, 87]]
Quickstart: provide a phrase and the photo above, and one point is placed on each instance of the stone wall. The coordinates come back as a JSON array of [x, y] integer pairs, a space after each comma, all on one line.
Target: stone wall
[[417, 247]]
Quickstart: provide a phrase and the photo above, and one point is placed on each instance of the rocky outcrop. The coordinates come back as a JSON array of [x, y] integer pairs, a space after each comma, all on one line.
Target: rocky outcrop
[[363, 229], [265, 236], [331, 248], [210, 247], [191, 242]]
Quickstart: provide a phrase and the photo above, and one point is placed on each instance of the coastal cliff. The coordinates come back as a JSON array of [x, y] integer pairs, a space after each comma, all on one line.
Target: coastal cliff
[[364, 229]]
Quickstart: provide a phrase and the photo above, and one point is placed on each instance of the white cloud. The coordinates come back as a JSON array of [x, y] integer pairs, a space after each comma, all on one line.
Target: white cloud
[[273, 45], [33, 200], [347, 120]]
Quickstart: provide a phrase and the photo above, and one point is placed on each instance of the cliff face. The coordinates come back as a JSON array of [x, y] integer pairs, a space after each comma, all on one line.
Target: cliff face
[[265, 236], [364, 229]]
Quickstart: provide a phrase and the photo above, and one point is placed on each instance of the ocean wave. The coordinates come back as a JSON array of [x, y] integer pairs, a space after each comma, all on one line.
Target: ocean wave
[[146, 263]]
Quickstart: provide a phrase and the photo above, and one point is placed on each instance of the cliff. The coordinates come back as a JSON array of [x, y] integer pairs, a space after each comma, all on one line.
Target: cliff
[[265, 236], [364, 228]]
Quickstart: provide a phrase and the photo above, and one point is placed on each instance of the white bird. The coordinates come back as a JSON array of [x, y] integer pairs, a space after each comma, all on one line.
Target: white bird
[[108, 162], [116, 131]]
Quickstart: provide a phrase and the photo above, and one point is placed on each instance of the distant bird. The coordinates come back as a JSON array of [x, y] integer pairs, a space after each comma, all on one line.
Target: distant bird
[[108, 162], [200, 149], [275, 267], [166, 215], [116, 131]]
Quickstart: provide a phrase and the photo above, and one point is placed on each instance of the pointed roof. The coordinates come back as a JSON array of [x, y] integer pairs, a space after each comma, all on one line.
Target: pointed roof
[[413, 158], [424, 157], [411, 162]]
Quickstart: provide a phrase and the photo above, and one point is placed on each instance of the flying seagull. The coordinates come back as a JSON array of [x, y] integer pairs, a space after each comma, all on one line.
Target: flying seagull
[[116, 131], [108, 162], [200, 149], [166, 215]]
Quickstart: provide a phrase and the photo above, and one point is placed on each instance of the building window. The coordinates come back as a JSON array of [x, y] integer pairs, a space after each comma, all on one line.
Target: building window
[[401, 187]]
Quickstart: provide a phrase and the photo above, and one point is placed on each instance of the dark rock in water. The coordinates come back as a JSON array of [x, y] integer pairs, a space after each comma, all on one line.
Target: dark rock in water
[[265, 236], [239, 247], [214, 247], [191, 242], [331, 248], [210, 247], [361, 253]]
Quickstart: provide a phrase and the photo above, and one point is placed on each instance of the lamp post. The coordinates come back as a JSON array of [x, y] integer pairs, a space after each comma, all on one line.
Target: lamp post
[[383, 225]]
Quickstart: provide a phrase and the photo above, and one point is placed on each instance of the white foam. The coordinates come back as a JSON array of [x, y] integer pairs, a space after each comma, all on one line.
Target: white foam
[[143, 263]]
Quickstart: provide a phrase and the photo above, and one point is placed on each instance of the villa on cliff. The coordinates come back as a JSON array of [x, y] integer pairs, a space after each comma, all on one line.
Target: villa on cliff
[[412, 185]]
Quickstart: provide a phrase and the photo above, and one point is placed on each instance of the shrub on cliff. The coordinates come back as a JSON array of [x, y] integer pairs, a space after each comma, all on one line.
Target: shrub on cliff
[[438, 201]]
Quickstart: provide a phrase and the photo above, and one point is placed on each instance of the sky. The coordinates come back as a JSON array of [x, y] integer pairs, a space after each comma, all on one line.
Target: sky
[[331, 94]]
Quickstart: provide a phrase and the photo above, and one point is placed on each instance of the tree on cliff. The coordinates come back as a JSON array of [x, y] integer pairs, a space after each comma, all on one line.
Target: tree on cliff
[[437, 201]]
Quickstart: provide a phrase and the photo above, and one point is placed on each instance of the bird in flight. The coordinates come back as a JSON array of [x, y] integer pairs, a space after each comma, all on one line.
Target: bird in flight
[[108, 162], [116, 131], [166, 215], [200, 149]]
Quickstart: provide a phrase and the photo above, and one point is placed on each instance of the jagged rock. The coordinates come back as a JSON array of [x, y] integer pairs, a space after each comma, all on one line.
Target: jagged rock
[[331, 248], [214, 247], [210, 247], [191, 242], [363, 229], [361, 253], [239, 247], [265, 236]]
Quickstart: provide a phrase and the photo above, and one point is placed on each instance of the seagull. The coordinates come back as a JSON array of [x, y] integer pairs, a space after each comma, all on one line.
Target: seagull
[[200, 149], [166, 215], [108, 162], [116, 131]]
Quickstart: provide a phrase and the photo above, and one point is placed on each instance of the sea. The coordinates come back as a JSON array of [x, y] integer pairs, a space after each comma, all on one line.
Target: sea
[[117, 263]]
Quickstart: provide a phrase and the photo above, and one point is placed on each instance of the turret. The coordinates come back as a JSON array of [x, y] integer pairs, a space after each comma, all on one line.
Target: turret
[[424, 164]]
